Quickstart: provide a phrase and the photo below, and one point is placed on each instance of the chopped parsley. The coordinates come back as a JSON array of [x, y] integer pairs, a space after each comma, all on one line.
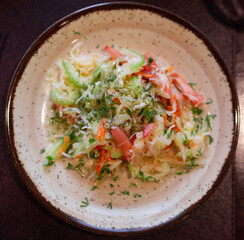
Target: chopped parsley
[[85, 203], [149, 115], [112, 193], [199, 153], [125, 192], [146, 178], [208, 120], [42, 150], [136, 195], [191, 84], [70, 167], [209, 101], [110, 205], [196, 110], [77, 168], [92, 140], [111, 185], [210, 139], [76, 32], [98, 45], [93, 188], [192, 159], [150, 60], [115, 178], [179, 173], [132, 184]]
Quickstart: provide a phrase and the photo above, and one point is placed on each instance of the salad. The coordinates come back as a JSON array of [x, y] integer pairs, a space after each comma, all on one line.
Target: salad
[[120, 109]]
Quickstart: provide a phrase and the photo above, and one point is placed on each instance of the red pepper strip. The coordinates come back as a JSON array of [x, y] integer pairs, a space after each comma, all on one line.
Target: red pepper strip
[[178, 111], [112, 52], [186, 90], [100, 163], [102, 130]]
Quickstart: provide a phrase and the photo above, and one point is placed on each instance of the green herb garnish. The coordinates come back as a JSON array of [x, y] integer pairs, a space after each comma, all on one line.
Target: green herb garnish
[[125, 192], [92, 140], [93, 188], [136, 195], [191, 84], [115, 178], [208, 120], [110, 205], [210, 139], [209, 101], [150, 60], [132, 184], [42, 150], [85, 203], [196, 110]]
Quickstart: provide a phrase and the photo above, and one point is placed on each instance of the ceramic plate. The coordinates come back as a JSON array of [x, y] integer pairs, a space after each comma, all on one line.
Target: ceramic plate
[[143, 28]]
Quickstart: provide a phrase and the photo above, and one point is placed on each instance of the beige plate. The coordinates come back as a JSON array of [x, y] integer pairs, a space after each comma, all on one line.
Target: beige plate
[[142, 28]]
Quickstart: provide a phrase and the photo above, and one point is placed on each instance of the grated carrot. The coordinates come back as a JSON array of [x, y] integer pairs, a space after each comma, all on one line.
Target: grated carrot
[[63, 147], [100, 163], [102, 130], [165, 118], [78, 155]]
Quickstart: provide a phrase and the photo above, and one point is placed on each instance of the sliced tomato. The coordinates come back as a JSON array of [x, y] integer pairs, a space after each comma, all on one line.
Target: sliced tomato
[[123, 142], [148, 129], [112, 52], [150, 64]]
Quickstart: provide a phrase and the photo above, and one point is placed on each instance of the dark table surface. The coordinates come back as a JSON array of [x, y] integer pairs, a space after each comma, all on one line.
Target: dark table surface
[[22, 217]]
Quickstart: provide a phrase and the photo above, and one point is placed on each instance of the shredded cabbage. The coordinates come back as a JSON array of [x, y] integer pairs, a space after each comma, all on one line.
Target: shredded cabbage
[[157, 128]]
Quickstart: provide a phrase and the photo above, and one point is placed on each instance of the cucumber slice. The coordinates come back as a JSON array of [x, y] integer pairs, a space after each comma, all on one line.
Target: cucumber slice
[[53, 152], [116, 153], [136, 84], [135, 61], [74, 77], [65, 98], [80, 148]]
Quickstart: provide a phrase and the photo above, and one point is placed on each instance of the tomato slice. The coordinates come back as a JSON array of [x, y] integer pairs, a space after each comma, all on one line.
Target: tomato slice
[[148, 129], [123, 142], [150, 64]]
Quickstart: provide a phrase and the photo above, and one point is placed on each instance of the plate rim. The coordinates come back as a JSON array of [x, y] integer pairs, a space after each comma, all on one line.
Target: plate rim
[[33, 49]]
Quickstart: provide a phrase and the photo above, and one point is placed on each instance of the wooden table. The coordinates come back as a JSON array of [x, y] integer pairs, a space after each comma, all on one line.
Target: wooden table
[[22, 217]]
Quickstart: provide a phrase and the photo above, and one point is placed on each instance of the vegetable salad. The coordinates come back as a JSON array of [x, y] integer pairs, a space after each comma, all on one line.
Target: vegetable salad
[[120, 109]]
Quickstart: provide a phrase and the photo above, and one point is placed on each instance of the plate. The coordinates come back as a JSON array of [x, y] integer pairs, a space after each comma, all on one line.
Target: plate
[[143, 28]]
